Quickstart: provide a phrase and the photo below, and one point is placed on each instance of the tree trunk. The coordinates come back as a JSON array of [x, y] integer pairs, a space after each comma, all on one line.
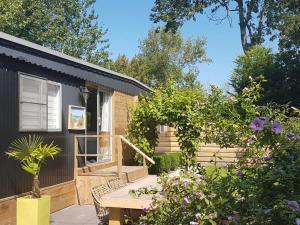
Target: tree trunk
[[36, 187], [243, 25]]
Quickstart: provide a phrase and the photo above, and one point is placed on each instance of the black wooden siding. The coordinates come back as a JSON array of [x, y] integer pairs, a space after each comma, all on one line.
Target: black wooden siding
[[14, 180]]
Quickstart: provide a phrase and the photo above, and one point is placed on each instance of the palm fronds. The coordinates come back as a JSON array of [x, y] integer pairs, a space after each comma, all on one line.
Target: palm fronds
[[32, 153]]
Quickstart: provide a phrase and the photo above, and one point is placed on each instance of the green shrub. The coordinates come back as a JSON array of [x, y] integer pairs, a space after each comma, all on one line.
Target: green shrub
[[263, 188], [165, 162]]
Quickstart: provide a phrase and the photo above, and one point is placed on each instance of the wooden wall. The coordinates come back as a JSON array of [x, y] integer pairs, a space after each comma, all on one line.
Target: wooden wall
[[122, 105], [167, 141], [62, 195], [208, 154]]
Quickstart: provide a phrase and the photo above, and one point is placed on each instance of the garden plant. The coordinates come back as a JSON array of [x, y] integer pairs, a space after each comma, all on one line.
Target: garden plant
[[262, 188], [32, 153]]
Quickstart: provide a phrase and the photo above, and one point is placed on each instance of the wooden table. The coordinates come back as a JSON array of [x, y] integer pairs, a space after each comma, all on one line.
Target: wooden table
[[120, 199]]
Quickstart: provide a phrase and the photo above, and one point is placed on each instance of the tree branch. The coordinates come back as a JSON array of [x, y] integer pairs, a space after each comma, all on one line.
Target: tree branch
[[242, 24], [260, 22]]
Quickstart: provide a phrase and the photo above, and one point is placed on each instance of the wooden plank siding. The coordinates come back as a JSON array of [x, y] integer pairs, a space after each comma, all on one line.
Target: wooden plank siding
[[122, 105], [208, 154], [62, 195]]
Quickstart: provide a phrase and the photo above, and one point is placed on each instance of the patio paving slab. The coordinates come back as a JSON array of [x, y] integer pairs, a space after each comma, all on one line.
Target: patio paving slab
[[75, 215]]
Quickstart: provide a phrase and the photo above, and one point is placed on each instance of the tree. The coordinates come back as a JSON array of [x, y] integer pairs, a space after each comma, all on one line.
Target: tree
[[257, 18], [164, 56], [69, 26], [256, 64], [280, 75]]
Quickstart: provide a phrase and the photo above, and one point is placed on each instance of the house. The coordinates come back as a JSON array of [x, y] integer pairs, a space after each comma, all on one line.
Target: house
[[44, 92]]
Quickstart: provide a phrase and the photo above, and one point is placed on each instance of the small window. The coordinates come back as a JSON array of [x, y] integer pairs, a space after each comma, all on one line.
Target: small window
[[40, 104], [162, 128]]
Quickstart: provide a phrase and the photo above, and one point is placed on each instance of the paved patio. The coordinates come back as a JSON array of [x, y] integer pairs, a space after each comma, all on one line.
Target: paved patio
[[75, 215]]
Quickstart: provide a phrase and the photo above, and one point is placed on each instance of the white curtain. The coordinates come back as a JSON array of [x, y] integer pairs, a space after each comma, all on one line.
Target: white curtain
[[105, 127], [105, 117]]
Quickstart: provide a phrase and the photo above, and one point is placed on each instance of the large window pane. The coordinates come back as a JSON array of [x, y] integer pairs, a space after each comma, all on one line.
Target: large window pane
[[54, 106]]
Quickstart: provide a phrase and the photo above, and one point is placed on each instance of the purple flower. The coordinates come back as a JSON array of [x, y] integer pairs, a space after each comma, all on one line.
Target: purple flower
[[251, 140], [202, 177], [257, 124], [184, 213], [145, 210], [186, 182], [291, 135], [239, 173], [267, 158], [294, 206], [276, 128], [297, 221], [186, 201]]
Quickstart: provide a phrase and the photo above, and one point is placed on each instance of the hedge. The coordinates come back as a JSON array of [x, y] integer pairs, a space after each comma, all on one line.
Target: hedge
[[165, 162]]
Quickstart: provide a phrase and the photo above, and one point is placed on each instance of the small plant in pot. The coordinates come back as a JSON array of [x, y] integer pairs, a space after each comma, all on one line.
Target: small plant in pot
[[32, 153]]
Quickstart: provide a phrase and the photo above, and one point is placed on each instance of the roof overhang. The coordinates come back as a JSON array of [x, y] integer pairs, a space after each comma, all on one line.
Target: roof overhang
[[41, 56]]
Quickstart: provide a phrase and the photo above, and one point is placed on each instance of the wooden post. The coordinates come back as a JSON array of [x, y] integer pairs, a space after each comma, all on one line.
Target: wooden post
[[144, 162], [75, 157], [116, 216], [119, 154], [75, 167]]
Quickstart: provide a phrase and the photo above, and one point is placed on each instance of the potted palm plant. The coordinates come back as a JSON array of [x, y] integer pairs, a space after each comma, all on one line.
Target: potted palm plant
[[32, 153]]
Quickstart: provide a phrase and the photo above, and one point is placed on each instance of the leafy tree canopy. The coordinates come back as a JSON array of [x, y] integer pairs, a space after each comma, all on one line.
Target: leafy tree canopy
[[69, 26], [164, 56], [279, 73], [257, 18]]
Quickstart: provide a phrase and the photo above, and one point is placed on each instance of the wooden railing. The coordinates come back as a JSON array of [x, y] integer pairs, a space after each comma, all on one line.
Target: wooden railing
[[138, 151], [115, 144]]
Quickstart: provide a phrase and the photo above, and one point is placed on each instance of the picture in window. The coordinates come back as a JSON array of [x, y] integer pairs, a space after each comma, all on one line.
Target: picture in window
[[77, 118]]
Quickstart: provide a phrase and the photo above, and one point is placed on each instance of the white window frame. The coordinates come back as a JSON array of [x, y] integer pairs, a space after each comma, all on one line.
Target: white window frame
[[30, 76], [59, 106]]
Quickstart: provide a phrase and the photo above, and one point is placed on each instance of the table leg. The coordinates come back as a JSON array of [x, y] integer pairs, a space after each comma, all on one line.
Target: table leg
[[116, 216]]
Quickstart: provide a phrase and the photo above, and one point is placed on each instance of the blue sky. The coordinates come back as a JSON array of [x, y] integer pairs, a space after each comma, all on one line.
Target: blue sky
[[128, 22]]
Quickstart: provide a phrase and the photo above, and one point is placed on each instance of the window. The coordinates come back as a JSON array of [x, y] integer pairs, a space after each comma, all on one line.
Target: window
[[40, 104], [162, 128]]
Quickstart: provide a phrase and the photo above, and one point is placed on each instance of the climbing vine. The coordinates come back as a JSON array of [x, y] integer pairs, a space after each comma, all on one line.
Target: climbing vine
[[198, 117]]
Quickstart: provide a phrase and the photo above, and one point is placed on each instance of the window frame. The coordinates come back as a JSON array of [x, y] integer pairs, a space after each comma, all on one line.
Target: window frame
[[20, 89]]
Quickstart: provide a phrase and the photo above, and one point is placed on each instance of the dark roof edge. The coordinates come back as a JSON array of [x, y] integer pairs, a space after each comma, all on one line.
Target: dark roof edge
[[22, 42]]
